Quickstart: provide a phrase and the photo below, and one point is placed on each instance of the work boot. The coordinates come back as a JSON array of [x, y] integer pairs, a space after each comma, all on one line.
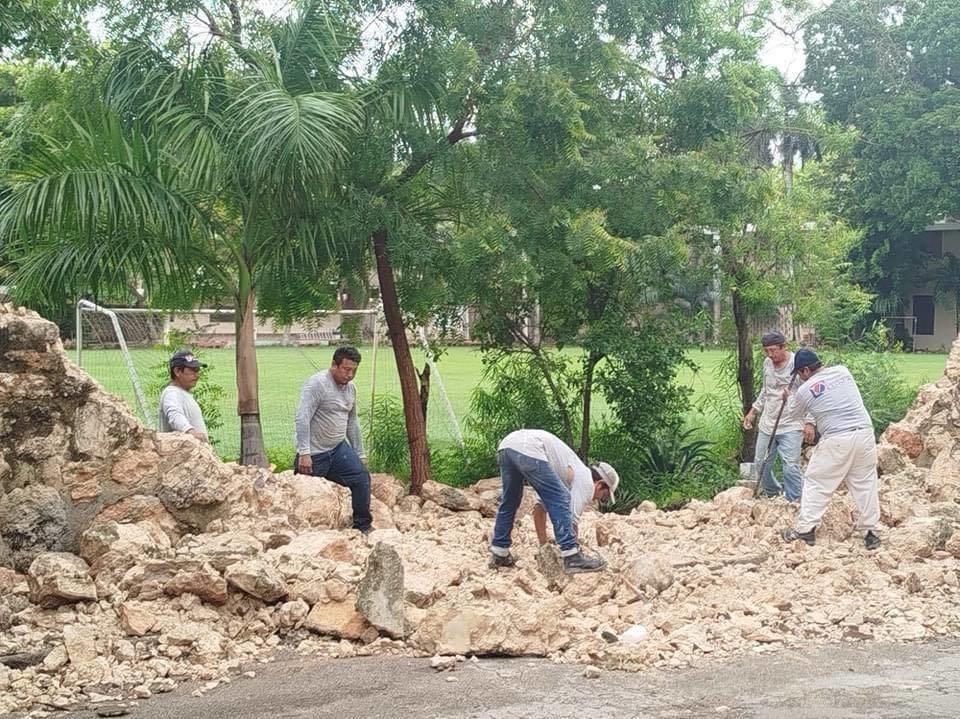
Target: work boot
[[792, 535], [497, 561], [871, 540], [577, 563]]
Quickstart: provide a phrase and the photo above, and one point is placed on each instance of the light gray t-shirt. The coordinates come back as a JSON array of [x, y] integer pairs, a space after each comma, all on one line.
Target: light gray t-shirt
[[327, 415], [831, 395], [179, 411], [543, 445], [775, 379]]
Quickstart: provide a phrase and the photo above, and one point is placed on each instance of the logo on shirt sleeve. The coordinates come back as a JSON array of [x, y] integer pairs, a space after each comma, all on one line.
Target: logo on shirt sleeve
[[818, 389]]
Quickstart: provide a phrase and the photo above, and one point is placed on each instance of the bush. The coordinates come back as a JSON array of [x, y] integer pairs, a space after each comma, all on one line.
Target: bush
[[462, 466], [281, 457], [388, 451], [514, 394], [670, 470]]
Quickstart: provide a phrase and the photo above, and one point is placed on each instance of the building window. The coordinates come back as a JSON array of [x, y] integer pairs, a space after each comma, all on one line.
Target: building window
[[932, 243], [923, 310]]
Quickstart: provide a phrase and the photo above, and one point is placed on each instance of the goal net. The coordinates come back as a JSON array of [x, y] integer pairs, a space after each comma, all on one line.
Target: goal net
[[127, 350]]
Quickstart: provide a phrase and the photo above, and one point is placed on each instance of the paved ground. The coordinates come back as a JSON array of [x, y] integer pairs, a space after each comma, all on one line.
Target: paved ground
[[853, 681]]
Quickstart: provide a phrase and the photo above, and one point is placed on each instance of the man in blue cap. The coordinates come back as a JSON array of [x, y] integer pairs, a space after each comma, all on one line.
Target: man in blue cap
[[846, 452]]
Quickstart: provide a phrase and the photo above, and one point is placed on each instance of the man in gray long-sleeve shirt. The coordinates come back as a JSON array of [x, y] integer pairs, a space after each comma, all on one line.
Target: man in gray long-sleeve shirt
[[328, 434]]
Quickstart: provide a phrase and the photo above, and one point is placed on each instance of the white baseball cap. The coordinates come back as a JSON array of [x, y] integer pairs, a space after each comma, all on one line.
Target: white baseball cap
[[608, 475]]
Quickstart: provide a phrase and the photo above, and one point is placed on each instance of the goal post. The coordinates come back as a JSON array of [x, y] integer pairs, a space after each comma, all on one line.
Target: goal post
[[143, 405]]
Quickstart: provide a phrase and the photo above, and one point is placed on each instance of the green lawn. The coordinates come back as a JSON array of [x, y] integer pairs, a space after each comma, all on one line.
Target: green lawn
[[283, 370]]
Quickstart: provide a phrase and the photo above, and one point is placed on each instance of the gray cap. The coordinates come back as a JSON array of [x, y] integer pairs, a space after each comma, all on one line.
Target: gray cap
[[773, 338]]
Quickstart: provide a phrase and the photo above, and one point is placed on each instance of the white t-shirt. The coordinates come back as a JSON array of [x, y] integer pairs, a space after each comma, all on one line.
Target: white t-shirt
[[542, 445], [775, 379], [831, 395], [179, 411]]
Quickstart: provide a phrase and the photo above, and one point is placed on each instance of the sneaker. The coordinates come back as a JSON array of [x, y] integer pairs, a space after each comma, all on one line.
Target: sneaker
[[871, 540], [496, 561], [577, 563], [792, 535]]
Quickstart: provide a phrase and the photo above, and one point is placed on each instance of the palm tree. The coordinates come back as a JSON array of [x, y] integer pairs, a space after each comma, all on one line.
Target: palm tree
[[205, 175]]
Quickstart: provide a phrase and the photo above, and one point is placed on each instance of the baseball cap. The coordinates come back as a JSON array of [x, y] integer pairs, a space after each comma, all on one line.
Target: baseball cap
[[773, 338], [804, 358], [185, 358], [608, 475]]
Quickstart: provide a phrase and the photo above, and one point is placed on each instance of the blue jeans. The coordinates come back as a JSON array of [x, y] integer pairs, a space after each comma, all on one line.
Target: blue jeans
[[515, 469], [787, 445], [343, 466]]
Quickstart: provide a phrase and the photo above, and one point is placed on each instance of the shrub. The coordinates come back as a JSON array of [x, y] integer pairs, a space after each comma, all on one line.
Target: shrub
[[388, 451], [462, 466], [514, 394], [670, 470], [281, 457]]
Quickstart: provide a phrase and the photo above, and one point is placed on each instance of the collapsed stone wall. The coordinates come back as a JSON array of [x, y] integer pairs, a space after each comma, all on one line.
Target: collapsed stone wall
[[168, 565], [72, 455]]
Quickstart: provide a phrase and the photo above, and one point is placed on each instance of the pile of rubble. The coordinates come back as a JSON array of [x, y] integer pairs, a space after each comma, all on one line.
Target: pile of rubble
[[136, 560]]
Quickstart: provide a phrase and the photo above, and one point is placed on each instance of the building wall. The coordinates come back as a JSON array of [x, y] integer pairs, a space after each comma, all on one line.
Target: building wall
[[945, 313]]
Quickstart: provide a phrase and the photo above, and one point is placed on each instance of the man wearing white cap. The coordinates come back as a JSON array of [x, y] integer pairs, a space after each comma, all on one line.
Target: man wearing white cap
[[564, 486]]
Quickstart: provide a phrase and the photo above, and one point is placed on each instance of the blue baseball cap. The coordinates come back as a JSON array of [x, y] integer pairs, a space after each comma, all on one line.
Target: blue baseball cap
[[185, 358], [803, 359]]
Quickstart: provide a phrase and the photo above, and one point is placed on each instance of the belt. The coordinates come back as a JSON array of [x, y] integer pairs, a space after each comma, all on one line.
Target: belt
[[848, 430]]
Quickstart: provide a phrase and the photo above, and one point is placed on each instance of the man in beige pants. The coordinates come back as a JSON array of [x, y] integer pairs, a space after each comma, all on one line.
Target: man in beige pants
[[846, 452]]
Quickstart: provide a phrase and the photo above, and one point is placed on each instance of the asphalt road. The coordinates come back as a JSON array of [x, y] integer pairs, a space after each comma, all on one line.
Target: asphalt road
[[847, 681]]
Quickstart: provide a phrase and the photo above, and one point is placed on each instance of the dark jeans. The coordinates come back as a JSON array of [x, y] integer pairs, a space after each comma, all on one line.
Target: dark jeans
[[343, 466], [517, 469]]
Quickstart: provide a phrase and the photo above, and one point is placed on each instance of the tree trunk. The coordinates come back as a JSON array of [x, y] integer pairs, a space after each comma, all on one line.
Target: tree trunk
[[412, 412], [592, 361], [425, 389], [744, 373], [248, 392]]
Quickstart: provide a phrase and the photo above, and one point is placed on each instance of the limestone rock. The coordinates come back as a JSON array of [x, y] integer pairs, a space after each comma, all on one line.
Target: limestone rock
[[449, 497], [316, 502], [57, 578], [135, 619], [33, 520], [143, 539], [258, 579], [193, 482], [550, 564], [907, 440], [138, 508], [387, 489], [645, 573], [337, 619], [381, 593], [223, 550], [943, 477], [922, 536], [291, 614], [328, 544]]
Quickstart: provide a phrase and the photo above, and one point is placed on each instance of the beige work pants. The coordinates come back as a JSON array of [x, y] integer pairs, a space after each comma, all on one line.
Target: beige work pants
[[849, 457]]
